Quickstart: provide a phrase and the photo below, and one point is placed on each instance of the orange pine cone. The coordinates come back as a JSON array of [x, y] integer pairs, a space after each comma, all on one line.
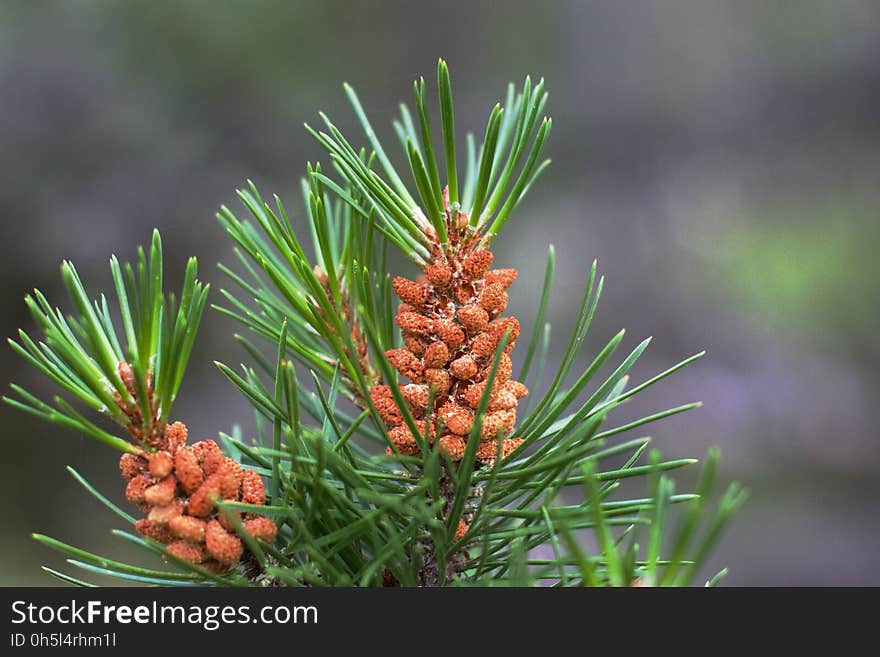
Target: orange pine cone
[[473, 318], [147, 528], [162, 515], [464, 368], [451, 325], [188, 528], [229, 475], [187, 551], [131, 465], [436, 355], [261, 528], [175, 436], [440, 276], [410, 292], [405, 362], [136, 488], [209, 455], [203, 501], [162, 492], [253, 491], [223, 546], [477, 264], [416, 395], [449, 332], [438, 379], [384, 402], [504, 277], [453, 447], [161, 463], [178, 488]]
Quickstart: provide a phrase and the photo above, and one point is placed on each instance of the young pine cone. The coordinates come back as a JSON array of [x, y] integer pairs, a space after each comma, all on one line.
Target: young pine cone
[[451, 323], [178, 487]]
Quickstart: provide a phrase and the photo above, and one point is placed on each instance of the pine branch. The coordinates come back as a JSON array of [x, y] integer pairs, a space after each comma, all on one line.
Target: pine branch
[[82, 354], [351, 475]]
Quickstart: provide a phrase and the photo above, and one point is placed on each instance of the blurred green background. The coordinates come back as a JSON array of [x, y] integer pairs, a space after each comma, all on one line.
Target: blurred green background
[[720, 159]]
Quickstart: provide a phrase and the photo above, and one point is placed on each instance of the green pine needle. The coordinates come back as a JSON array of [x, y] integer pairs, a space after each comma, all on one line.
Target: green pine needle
[[83, 353]]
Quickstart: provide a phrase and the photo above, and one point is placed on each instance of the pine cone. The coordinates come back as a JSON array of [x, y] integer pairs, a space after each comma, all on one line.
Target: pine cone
[[178, 487], [451, 325]]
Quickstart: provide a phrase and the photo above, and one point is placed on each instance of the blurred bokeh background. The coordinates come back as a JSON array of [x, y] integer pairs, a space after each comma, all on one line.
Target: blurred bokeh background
[[720, 159]]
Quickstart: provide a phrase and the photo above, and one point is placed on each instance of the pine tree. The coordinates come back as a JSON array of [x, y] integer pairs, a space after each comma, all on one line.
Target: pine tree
[[395, 440]]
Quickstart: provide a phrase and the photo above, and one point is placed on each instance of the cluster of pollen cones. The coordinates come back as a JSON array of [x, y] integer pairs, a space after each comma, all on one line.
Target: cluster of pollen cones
[[178, 487], [451, 325]]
